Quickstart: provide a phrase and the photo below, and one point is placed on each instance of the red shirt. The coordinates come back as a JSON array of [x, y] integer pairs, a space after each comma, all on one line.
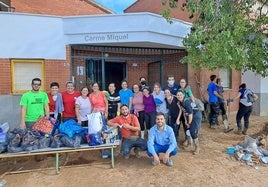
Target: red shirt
[[69, 103], [52, 103], [130, 119]]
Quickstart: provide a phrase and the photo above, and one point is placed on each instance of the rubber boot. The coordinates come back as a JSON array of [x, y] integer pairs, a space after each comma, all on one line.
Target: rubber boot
[[245, 131], [142, 134], [196, 147], [189, 143]]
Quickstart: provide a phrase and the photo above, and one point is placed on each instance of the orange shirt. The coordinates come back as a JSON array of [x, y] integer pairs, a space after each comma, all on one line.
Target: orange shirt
[[130, 119]]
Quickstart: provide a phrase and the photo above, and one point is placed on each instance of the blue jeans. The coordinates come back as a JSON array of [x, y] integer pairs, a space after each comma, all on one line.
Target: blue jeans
[[243, 111], [128, 144], [163, 149]]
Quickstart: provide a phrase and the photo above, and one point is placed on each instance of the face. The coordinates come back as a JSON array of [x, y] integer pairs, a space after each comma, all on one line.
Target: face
[[180, 96], [95, 87], [145, 92], [171, 80], [70, 87], [54, 90], [84, 92], [160, 120], [136, 88], [111, 87], [36, 85], [156, 88], [167, 93], [124, 110], [183, 83], [124, 85]]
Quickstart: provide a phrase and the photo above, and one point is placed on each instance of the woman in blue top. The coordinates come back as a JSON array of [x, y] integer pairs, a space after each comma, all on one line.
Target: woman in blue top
[[126, 95], [193, 118]]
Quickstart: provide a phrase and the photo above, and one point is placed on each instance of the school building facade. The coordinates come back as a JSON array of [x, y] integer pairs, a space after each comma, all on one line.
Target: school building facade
[[99, 48]]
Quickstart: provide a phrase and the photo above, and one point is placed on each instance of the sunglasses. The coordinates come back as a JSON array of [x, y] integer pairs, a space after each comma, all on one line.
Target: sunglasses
[[36, 84]]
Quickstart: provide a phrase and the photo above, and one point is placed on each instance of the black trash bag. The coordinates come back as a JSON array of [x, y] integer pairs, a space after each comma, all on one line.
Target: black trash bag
[[83, 135], [14, 140], [56, 141], [30, 147], [14, 149], [44, 142], [71, 142], [30, 138], [3, 147]]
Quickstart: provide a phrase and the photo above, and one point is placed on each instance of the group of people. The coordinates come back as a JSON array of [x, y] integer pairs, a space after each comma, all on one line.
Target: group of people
[[218, 104], [159, 112]]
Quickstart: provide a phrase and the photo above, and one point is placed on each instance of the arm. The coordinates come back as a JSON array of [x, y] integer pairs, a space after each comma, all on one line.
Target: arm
[[130, 102], [22, 117], [46, 110], [106, 107], [77, 107], [179, 116]]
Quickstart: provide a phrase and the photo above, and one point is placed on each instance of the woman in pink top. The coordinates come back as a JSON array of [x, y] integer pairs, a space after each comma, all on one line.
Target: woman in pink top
[[98, 100], [137, 103]]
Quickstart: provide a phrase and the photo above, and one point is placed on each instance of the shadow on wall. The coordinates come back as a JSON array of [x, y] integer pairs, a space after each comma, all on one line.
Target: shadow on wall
[[10, 110]]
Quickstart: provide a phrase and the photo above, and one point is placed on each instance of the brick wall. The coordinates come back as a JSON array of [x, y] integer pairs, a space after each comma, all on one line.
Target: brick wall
[[5, 76], [155, 6], [58, 7]]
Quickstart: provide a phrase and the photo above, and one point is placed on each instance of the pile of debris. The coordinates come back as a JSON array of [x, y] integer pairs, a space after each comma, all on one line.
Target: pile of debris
[[252, 151]]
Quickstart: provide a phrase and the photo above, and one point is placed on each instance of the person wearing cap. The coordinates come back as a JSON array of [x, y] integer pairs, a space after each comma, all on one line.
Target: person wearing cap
[[130, 128]]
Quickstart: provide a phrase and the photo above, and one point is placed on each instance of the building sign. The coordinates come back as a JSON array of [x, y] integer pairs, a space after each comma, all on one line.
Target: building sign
[[106, 37]]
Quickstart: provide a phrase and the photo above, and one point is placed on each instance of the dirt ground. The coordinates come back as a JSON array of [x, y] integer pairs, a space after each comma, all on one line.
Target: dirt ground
[[212, 167]]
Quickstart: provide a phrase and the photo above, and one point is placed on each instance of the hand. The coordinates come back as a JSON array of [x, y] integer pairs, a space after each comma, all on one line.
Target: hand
[[156, 159], [165, 157], [126, 126]]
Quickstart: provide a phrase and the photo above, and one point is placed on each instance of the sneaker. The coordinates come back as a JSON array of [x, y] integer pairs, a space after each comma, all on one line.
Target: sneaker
[[126, 156], [137, 152], [169, 162]]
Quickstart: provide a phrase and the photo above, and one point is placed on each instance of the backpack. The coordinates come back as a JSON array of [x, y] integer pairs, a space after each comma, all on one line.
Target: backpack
[[198, 104], [247, 99]]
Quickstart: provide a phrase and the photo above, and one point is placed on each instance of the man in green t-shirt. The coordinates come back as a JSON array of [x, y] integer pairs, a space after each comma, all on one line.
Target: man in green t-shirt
[[34, 104]]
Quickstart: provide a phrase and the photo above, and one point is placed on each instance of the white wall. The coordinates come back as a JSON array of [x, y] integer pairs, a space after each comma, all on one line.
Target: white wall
[[31, 36]]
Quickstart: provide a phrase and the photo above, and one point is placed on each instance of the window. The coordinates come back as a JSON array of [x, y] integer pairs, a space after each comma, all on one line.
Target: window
[[23, 71], [226, 76]]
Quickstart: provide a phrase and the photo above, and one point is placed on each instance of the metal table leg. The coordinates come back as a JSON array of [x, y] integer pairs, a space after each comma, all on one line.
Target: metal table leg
[[112, 157], [57, 163]]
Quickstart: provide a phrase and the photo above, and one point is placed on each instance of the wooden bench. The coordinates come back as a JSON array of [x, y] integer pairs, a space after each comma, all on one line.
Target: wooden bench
[[57, 151]]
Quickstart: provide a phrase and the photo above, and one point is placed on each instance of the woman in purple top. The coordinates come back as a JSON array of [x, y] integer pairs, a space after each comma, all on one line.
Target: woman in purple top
[[149, 108], [138, 106]]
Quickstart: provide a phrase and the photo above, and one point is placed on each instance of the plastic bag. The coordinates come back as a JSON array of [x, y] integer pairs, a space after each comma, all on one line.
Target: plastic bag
[[44, 142], [44, 126], [4, 127], [56, 141], [96, 122], [70, 128], [95, 139], [71, 142]]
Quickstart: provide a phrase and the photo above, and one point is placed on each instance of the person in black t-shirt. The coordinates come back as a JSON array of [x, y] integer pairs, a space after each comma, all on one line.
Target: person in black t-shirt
[[113, 102]]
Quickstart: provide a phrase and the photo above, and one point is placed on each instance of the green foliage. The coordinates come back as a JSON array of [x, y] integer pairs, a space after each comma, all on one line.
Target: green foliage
[[225, 35]]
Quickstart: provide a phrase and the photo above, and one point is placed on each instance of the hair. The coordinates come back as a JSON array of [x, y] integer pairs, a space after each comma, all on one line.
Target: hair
[[243, 85], [86, 88], [124, 81], [123, 106], [179, 91], [147, 88], [212, 77], [160, 114], [170, 75], [112, 83], [157, 84], [218, 80], [141, 78], [69, 82], [36, 79], [54, 84]]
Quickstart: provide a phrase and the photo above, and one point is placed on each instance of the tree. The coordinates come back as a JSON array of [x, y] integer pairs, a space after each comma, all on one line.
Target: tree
[[226, 34]]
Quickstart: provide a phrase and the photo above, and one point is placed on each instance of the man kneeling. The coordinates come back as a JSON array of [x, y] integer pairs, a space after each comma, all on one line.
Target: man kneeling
[[161, 140], [130, 128]]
